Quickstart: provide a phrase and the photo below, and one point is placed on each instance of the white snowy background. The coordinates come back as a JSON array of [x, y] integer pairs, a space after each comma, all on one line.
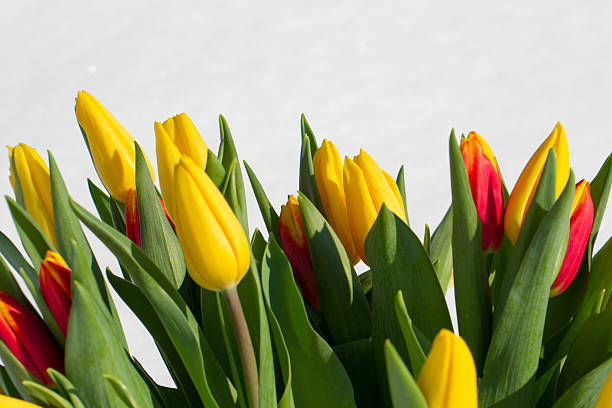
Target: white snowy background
[[390, 77]]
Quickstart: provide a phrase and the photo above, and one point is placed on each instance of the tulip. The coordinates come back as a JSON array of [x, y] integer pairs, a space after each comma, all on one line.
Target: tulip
[[27, 337], [176, 137], [486, 186], [112, 148], [527, 183], [367, 187], [581, 221], [8, 402], [214, 244], [29, 176], [448, 377], [328, 175], [605, 395], [132, 218], [295, 246], [54, 278]]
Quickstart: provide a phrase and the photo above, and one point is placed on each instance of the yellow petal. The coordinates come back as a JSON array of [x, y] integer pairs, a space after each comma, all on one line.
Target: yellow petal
[[168, 157], [605, 396], [8, 402], [187, 139]]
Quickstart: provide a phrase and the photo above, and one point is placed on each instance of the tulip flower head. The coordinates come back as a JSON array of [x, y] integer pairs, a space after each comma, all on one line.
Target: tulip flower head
[[112, 148], [581, 221], [29, 176], [328, 175], [132, 218], [54, 279], [295, 246], [486, 187], [8, 402], [177, 136], [605, 395], [367, 187], [214, 244], [27, 337], [527, 183], [448, 377]]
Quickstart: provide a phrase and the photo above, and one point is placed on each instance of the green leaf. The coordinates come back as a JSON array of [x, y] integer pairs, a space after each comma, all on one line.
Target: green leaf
[[214, 168], [317, 376], [416, 355], [514, 352], [12, 255], [357, 357], [308, 183], [101, 201], [585, 391], [269, 215], [230, 192], [7, 384], [65, 386], [343, 303], [472, 296], [121, 390], [10, 286], [404, 390], [441, 249], [307, 132], [401, 185], [600, 192], [157, 237], [46, 395]]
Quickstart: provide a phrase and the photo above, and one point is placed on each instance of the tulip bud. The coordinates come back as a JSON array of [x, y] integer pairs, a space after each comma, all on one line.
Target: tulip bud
[[448, 377], [328, 174], [132, 218], [176, 137], [486, 187], [8, 402], [581, 222], [111, 147], [214, 244], [527, 183], [54, 279], [605, 395], [367, 187], [296, 248], [29, 176], [27, 337]]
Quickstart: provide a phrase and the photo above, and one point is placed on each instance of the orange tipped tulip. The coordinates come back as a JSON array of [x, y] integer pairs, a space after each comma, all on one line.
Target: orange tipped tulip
[[581, 222], [486, 187], [132, 219], [27, 337], [54, 278], [296, 248]]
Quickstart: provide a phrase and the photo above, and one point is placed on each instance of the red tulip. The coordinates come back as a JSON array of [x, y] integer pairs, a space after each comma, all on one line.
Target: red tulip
[[54, 278], [296, 248], [132, 219], [27, 337], [581, 222], [486, 187]]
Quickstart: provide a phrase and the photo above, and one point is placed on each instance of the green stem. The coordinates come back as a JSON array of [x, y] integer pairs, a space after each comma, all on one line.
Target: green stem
[[245, 346]]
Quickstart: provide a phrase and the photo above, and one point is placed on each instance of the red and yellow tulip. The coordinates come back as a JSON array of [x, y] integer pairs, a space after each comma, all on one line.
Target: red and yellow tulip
[[54, 279]]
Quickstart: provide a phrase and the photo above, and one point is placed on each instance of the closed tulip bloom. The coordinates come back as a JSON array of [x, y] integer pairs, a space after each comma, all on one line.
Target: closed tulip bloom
[[132, 218], [111, 147], [581, 222], [486, 187], [27, 337], [8, 402], [328, 174], [527, 183], [367, 187], [54, 279], [295, 247], [214, 244], [177, 136], [29, 176], [448, 377], [605, 395]]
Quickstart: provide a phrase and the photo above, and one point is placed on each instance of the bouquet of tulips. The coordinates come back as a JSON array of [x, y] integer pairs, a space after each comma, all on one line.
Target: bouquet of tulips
[[282, 319]]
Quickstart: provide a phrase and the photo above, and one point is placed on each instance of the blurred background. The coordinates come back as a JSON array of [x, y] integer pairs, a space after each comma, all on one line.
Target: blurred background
[[392, 78]]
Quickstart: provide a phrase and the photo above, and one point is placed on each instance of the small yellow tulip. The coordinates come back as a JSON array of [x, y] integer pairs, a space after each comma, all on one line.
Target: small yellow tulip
[[30, 174], [328, 174], [527, 183], [214, 244], [176, 137], [367, 187], [448, 377], [8, 402], [112, 148], [605, 395]]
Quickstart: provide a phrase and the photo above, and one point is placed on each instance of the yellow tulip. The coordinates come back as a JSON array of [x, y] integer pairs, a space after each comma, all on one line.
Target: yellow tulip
[[111, 146], [367, 187], [605, 396], [527, 183], [176, 137], [448, 377], [328, 174], [214, 244], [30, 175], [8, 402]]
